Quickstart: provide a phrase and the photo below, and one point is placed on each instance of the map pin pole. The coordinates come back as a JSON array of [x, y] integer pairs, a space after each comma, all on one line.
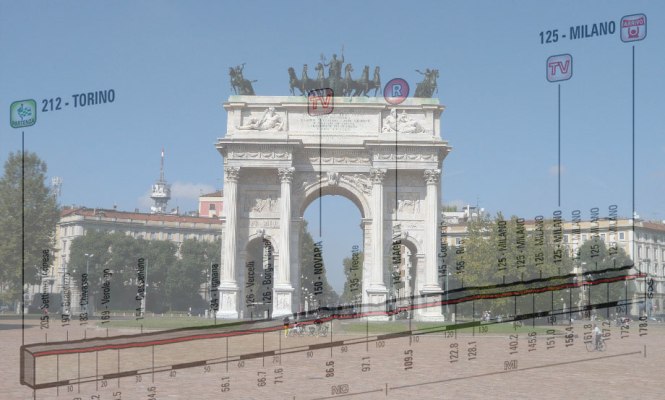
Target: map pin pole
[[22, 238], [559, 144]]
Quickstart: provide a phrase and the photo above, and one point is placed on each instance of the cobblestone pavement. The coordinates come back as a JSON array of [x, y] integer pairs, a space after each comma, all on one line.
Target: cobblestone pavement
[[436, 366]]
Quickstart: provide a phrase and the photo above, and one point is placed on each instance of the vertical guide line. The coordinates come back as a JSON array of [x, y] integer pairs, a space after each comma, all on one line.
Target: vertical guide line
[[320, 179], [607, 285], [23, 238], [57, 373], [570, 306], [153, 363], [559, 144], [118, 367], [396, 201], [366, 333], [633, 148]]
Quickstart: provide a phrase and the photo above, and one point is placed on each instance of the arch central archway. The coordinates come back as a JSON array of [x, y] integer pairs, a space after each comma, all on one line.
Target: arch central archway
[[271, 175], [331, 232]]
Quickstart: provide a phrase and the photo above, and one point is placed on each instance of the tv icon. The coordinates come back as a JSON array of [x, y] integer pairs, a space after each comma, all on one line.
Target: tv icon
[[559, 67], [320, 101]]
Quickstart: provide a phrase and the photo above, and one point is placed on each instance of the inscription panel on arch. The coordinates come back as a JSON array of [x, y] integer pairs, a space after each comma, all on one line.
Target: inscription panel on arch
[[346, 121]]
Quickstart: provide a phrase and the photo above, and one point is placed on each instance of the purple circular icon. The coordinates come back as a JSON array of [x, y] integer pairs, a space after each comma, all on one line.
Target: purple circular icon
[[396, 91]]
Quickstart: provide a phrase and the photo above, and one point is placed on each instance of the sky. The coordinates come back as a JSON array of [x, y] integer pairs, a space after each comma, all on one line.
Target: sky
[[168, 61]]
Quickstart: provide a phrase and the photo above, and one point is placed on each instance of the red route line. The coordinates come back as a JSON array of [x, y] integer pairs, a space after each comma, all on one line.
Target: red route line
[[351, 316]]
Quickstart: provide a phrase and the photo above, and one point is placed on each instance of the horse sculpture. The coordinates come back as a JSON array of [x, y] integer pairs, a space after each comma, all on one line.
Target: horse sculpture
[[294, 82], [239, 84], [362, 84], [428, 86], [306, 84], [375, 83], [341, 86]]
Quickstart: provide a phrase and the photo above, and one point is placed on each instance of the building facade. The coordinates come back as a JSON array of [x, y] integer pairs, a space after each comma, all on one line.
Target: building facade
[[211, 204], [76, 222], [642, 241]]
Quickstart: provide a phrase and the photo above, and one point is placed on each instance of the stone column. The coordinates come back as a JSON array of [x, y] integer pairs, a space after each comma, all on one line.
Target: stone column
[[282, 289], [430, 280], [376, 289], [228, 288]]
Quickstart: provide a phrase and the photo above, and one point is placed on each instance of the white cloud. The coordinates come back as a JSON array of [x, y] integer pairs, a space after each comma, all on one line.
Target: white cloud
[[554, 170], [144, 201], [189, 191]]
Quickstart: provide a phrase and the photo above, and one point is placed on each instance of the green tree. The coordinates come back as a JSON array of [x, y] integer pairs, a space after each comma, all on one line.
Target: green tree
[[41, 214], [116, 252], [97, 246], [504, 250], [182, 288], [353, 270], [328, 298], [174, 276], [594, 256]]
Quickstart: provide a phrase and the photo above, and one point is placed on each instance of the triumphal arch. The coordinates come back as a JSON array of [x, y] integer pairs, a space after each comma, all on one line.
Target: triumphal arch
[[278, 159]]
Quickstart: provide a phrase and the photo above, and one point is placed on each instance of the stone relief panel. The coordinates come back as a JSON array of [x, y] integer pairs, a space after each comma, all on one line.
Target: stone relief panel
[[403, 123], [361, 181], [408, 203], [260, 203], [268, 120]]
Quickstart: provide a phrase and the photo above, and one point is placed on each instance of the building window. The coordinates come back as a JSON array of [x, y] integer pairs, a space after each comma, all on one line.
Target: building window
[[621, 236], [169, 236], [602, 237], [565, 238], [584, 237], [212, 207]]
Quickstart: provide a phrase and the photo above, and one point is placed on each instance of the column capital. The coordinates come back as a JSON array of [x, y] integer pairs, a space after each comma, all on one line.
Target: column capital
[[286, 174], [232, 173], [377, 175], [432, 176]]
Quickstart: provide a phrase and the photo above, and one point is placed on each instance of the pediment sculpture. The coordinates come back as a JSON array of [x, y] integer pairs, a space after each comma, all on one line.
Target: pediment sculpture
[[402, 122], [269, 121]]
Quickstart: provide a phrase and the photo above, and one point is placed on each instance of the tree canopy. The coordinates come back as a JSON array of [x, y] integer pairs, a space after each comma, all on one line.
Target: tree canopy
[[39, 206], [174, 276]]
